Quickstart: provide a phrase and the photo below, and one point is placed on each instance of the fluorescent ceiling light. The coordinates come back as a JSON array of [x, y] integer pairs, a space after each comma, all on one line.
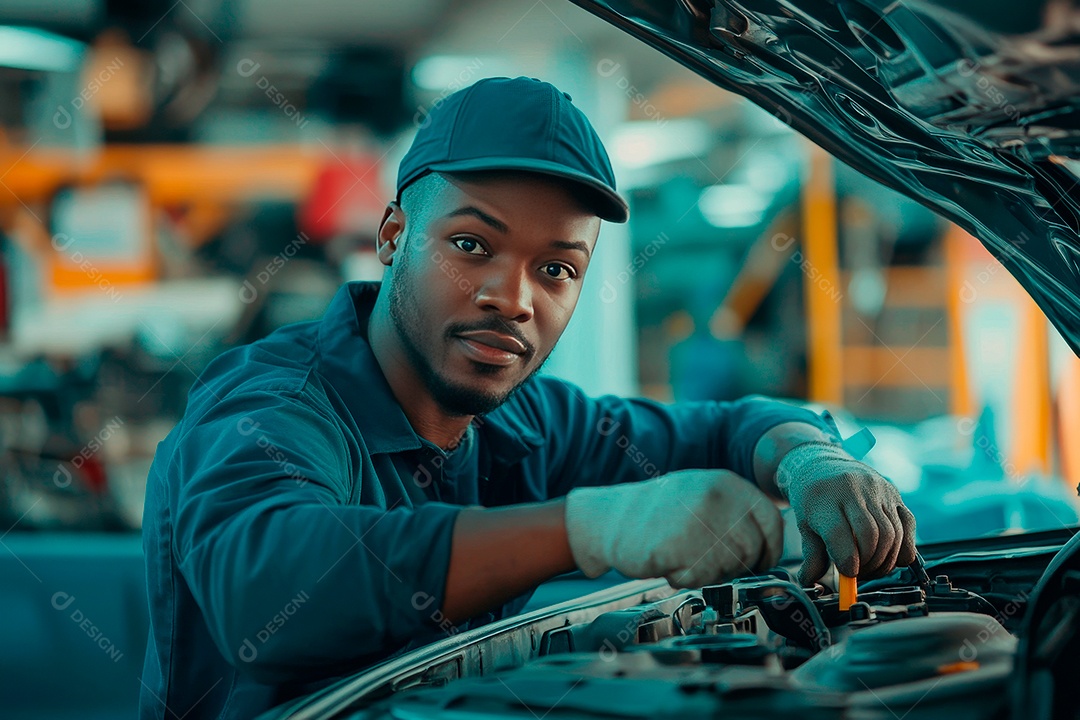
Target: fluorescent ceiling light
[[768, 172], [732, 206], [29, 49], [439, 73], [646, 142]]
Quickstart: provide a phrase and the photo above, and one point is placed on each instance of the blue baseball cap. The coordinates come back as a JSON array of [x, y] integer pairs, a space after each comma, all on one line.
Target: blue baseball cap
[[515, 124]]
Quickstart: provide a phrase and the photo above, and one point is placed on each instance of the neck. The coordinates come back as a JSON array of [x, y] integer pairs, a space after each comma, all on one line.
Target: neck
[[427, 418]]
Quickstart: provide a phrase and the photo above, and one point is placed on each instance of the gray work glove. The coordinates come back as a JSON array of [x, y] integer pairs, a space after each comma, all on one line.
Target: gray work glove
[[847, 511], [692, 527]]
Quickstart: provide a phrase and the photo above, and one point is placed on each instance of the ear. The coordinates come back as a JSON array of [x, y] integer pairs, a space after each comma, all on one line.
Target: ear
[[391, 231]]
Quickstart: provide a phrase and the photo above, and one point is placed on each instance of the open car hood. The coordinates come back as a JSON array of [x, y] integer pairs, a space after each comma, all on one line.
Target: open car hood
[[968, 107]]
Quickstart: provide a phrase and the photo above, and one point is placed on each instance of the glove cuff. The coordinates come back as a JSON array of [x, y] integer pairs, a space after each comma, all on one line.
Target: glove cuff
[[587, 519], [793, 465]]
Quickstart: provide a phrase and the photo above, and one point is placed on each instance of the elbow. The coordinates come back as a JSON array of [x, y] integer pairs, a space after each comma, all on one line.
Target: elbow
[[297, 644], [262, 664], [266, 653], [275, 662], [276, 659]]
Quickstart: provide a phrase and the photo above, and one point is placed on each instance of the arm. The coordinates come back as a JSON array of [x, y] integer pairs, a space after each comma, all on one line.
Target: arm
[[259, 491], [498, 554], [846, 511], [640, 518], [262, 518], [536, 535], [610, 440]]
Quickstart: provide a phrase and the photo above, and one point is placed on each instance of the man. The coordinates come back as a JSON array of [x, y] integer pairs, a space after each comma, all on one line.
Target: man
[[338, 490]]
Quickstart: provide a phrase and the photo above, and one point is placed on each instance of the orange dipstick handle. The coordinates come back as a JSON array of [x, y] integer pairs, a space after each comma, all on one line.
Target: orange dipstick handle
[[849, 591]]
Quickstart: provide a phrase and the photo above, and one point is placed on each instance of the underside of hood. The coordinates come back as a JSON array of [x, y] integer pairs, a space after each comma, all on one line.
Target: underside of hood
[[971, 108]]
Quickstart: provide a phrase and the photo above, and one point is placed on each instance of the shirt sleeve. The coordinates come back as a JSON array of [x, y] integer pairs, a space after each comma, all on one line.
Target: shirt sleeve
[[611, 439], [295, 583]]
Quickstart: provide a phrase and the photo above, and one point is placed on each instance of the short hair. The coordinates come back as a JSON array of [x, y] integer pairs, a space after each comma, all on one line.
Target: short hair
[[417, 198]]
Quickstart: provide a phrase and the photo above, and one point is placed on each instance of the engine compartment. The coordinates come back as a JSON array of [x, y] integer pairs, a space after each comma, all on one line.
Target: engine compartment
[[912, 645]]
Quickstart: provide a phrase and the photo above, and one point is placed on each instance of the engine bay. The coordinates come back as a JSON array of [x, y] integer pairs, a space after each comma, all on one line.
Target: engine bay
[[930, 640]]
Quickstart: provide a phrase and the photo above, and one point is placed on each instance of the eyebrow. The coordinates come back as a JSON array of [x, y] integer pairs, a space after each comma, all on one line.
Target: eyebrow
[[480, 215], [572, 245]]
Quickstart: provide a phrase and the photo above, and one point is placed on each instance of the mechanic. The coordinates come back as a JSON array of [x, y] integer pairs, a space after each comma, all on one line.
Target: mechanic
[[346, 489]]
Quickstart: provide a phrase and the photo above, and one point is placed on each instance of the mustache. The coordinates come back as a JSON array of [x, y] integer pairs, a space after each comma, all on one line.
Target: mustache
[[493, 324]]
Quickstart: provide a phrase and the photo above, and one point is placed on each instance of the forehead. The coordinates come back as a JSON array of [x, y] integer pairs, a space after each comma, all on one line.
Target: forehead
[[515, 204]]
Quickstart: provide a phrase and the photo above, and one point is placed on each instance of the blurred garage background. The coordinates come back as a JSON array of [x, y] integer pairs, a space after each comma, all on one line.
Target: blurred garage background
[[180, 177]]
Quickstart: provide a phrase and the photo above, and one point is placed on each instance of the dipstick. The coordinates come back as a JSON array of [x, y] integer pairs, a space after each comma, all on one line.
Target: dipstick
[[849, 591]]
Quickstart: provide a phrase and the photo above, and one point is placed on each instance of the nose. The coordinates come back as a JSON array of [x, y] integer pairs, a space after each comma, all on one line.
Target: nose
[[507, 292]]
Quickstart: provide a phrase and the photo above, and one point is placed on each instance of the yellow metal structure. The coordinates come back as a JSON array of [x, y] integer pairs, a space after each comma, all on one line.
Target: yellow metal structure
[[823, 309]]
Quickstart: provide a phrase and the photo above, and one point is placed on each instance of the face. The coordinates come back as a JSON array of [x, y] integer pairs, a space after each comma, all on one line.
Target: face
[[483, 280]]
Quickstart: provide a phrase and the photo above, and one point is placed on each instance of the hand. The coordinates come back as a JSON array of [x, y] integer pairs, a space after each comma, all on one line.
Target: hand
[[692, 527], [845, 511]]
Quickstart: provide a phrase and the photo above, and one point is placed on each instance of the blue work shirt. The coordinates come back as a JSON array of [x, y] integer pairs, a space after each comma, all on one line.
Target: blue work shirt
[[297, 528]]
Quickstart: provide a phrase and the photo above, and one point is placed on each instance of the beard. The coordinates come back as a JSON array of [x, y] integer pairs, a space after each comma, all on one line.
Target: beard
[[406, 315]]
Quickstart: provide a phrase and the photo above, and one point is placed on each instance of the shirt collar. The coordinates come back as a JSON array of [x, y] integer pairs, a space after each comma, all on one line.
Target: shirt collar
[[510, 436], [348, 363]]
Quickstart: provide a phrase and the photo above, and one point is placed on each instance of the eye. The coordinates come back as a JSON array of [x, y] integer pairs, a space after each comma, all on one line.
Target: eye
[[469, 245], [554, 270]]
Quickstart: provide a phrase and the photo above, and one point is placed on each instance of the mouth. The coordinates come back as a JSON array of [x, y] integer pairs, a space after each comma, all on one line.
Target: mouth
[[491, 348]]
